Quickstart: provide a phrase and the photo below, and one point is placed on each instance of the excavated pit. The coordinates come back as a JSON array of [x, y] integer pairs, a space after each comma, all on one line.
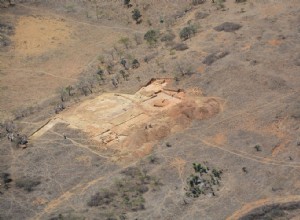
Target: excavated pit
[[130, 125]]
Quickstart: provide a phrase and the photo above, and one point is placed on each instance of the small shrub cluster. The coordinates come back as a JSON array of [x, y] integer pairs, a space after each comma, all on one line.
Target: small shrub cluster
[[27, 184], [136, 15], [198, 2], [6, 180], [257, 147], [151, 37], [188, 32], [228, 27], [10, 130], [203, 181], [211, 58], [135, 64], [68, 216], [125, 194], [127, 3]]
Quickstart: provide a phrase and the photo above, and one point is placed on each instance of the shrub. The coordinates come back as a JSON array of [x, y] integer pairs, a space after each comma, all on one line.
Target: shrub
[[125, 194], [59, 107], [21, 139], [187, 32], [136, 15], [101, 198], [198, 2], [211, 58], [6, 179], [228, 27], [151, 37], [257, 147], [27, 184], [135, 64], [204, 180], [127, 3]]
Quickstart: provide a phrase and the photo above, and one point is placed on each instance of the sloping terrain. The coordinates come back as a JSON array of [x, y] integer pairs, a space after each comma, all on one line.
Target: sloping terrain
[[195, 123]]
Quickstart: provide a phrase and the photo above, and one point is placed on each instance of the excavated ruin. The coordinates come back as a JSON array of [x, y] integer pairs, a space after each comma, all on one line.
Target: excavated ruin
[[131, 124]]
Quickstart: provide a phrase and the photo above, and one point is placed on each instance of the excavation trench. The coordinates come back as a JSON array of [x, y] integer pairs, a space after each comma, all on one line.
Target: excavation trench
[[130, 125]]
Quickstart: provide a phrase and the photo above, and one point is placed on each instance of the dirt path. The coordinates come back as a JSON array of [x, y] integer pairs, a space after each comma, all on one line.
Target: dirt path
[[263, 202]]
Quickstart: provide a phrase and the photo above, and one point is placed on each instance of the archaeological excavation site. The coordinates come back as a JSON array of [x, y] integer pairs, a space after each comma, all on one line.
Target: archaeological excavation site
[[138, 109]]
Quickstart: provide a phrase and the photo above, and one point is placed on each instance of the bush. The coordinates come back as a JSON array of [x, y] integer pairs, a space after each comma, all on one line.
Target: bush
[[198, 2], [204, 180], [257, 147], [210, 59], [101, 198], [127, 3], [187, 32], [151, 37], [125, 194], [27, 184], [135, 64], [228, 27], [6, 179], [136, 15]]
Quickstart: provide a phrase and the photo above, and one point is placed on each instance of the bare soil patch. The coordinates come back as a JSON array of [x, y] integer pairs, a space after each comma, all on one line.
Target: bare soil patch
[[131, 124]]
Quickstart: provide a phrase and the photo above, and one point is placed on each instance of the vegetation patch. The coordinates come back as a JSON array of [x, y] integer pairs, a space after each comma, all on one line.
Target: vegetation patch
[[228, 27], [210, 59], [204, 181], [126, 194], [188, 32], [151, 37], [28, 184]]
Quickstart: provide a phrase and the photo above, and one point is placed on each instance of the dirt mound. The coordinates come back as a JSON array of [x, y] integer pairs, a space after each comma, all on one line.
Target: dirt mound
[[192, 109]]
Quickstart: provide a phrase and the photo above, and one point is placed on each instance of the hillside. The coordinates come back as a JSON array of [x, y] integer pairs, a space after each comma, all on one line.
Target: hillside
[[150, 110]]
